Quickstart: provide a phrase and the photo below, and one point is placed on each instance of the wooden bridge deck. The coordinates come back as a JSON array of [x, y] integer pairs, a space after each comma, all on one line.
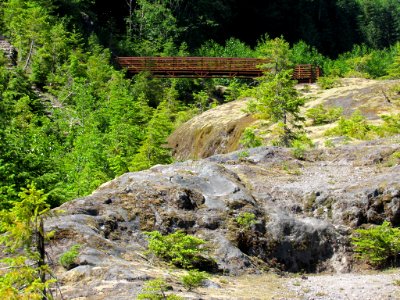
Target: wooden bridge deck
[[203, 67]]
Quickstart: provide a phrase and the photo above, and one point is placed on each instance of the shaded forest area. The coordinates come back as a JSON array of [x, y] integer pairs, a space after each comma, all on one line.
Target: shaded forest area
[[332, 26]]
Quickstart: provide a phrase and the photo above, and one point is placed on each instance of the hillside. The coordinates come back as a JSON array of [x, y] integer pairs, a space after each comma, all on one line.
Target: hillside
[[218, 130]]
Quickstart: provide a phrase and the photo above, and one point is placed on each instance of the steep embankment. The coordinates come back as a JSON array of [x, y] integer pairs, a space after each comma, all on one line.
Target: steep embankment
[[305, 211], [219, 130]]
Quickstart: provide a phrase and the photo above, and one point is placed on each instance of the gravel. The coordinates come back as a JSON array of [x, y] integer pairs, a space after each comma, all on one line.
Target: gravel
[[350, 286]]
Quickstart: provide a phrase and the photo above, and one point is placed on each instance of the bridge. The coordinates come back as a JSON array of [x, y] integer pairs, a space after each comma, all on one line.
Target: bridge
[[207, 67]]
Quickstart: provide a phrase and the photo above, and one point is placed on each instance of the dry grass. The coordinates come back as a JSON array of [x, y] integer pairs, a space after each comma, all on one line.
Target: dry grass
[[266, 286]]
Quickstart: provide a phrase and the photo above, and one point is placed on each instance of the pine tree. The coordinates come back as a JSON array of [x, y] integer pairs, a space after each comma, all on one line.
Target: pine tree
[[24, 273], [278, 101], [394, 68], [153, 150]]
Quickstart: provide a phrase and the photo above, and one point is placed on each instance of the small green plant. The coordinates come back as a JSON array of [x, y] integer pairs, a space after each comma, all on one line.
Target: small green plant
[[249, 139], [391, 124], [156, 290], [320, 115], [329, 82], [300, 144], [193, 279], [306, 88], [68, 258], [246, 219], [379, 245], [243, 154], [329, 144], [354, 127], [393, 159], [178, 248]]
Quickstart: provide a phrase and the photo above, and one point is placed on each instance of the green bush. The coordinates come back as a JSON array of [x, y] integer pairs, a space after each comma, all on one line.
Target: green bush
[[379, 245], [300, 144], [321, 115], [329, 82], [68, 258], [391, 124], [246, 219], [354, 127], [156, 290], [193, 279], [177, 248], [249, 139]]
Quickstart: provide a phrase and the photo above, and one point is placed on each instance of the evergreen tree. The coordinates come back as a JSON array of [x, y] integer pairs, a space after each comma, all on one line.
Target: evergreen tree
[[24, 273], [394, 68], [277, 100], [153, 150]]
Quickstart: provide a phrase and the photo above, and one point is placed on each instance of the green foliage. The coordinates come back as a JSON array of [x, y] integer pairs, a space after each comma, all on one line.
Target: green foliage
[[156, 290], [357, 127], [391, 124], [177, 248], [193, 279], [235, 90], [378, 22], [277, 51], [328, 82], [153, 150], [354, 127], [249, 139], [233, 48], [245, 220], [277, 100], [23, 272], [300, 144], [379, 245], [243, 154], [320, 115], [301, 53], [394, 68], [68, 258]]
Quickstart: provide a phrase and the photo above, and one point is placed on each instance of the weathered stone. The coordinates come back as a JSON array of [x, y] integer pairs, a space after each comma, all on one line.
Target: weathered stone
[[305, 211]]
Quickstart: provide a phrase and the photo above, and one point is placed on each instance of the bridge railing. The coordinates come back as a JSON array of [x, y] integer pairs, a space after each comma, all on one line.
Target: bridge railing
[[207, 67]]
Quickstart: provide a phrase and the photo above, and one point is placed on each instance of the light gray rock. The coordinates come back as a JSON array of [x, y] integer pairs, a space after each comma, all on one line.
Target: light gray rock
[[305, 211]]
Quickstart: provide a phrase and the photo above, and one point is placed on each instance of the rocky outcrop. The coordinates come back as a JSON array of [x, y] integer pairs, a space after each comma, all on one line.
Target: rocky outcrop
[[304, 209], [218, 130], [8, 50]]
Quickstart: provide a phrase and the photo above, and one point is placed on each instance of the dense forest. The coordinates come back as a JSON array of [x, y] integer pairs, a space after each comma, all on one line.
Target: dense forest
[[71, 120]]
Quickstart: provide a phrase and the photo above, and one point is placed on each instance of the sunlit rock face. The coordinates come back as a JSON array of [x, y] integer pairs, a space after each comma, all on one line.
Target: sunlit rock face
[[304, 212]]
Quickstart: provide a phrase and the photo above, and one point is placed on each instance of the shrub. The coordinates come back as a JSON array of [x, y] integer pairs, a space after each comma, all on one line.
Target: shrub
[[249, 139], [243, 154], [68, 258], [177, 248], [193, 279], [354, 127], [391, 124], [321, 115], [156, 290], [245, 220], [378, 245], [300, 144], [329, 82]]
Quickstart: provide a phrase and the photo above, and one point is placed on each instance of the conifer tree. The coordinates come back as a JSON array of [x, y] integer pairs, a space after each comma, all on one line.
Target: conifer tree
[[277, 100], [24, 273], [153, 150], [394, 68]]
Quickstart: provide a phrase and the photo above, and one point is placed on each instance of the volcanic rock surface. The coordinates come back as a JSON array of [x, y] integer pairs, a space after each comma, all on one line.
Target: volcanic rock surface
[[305, 210]]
